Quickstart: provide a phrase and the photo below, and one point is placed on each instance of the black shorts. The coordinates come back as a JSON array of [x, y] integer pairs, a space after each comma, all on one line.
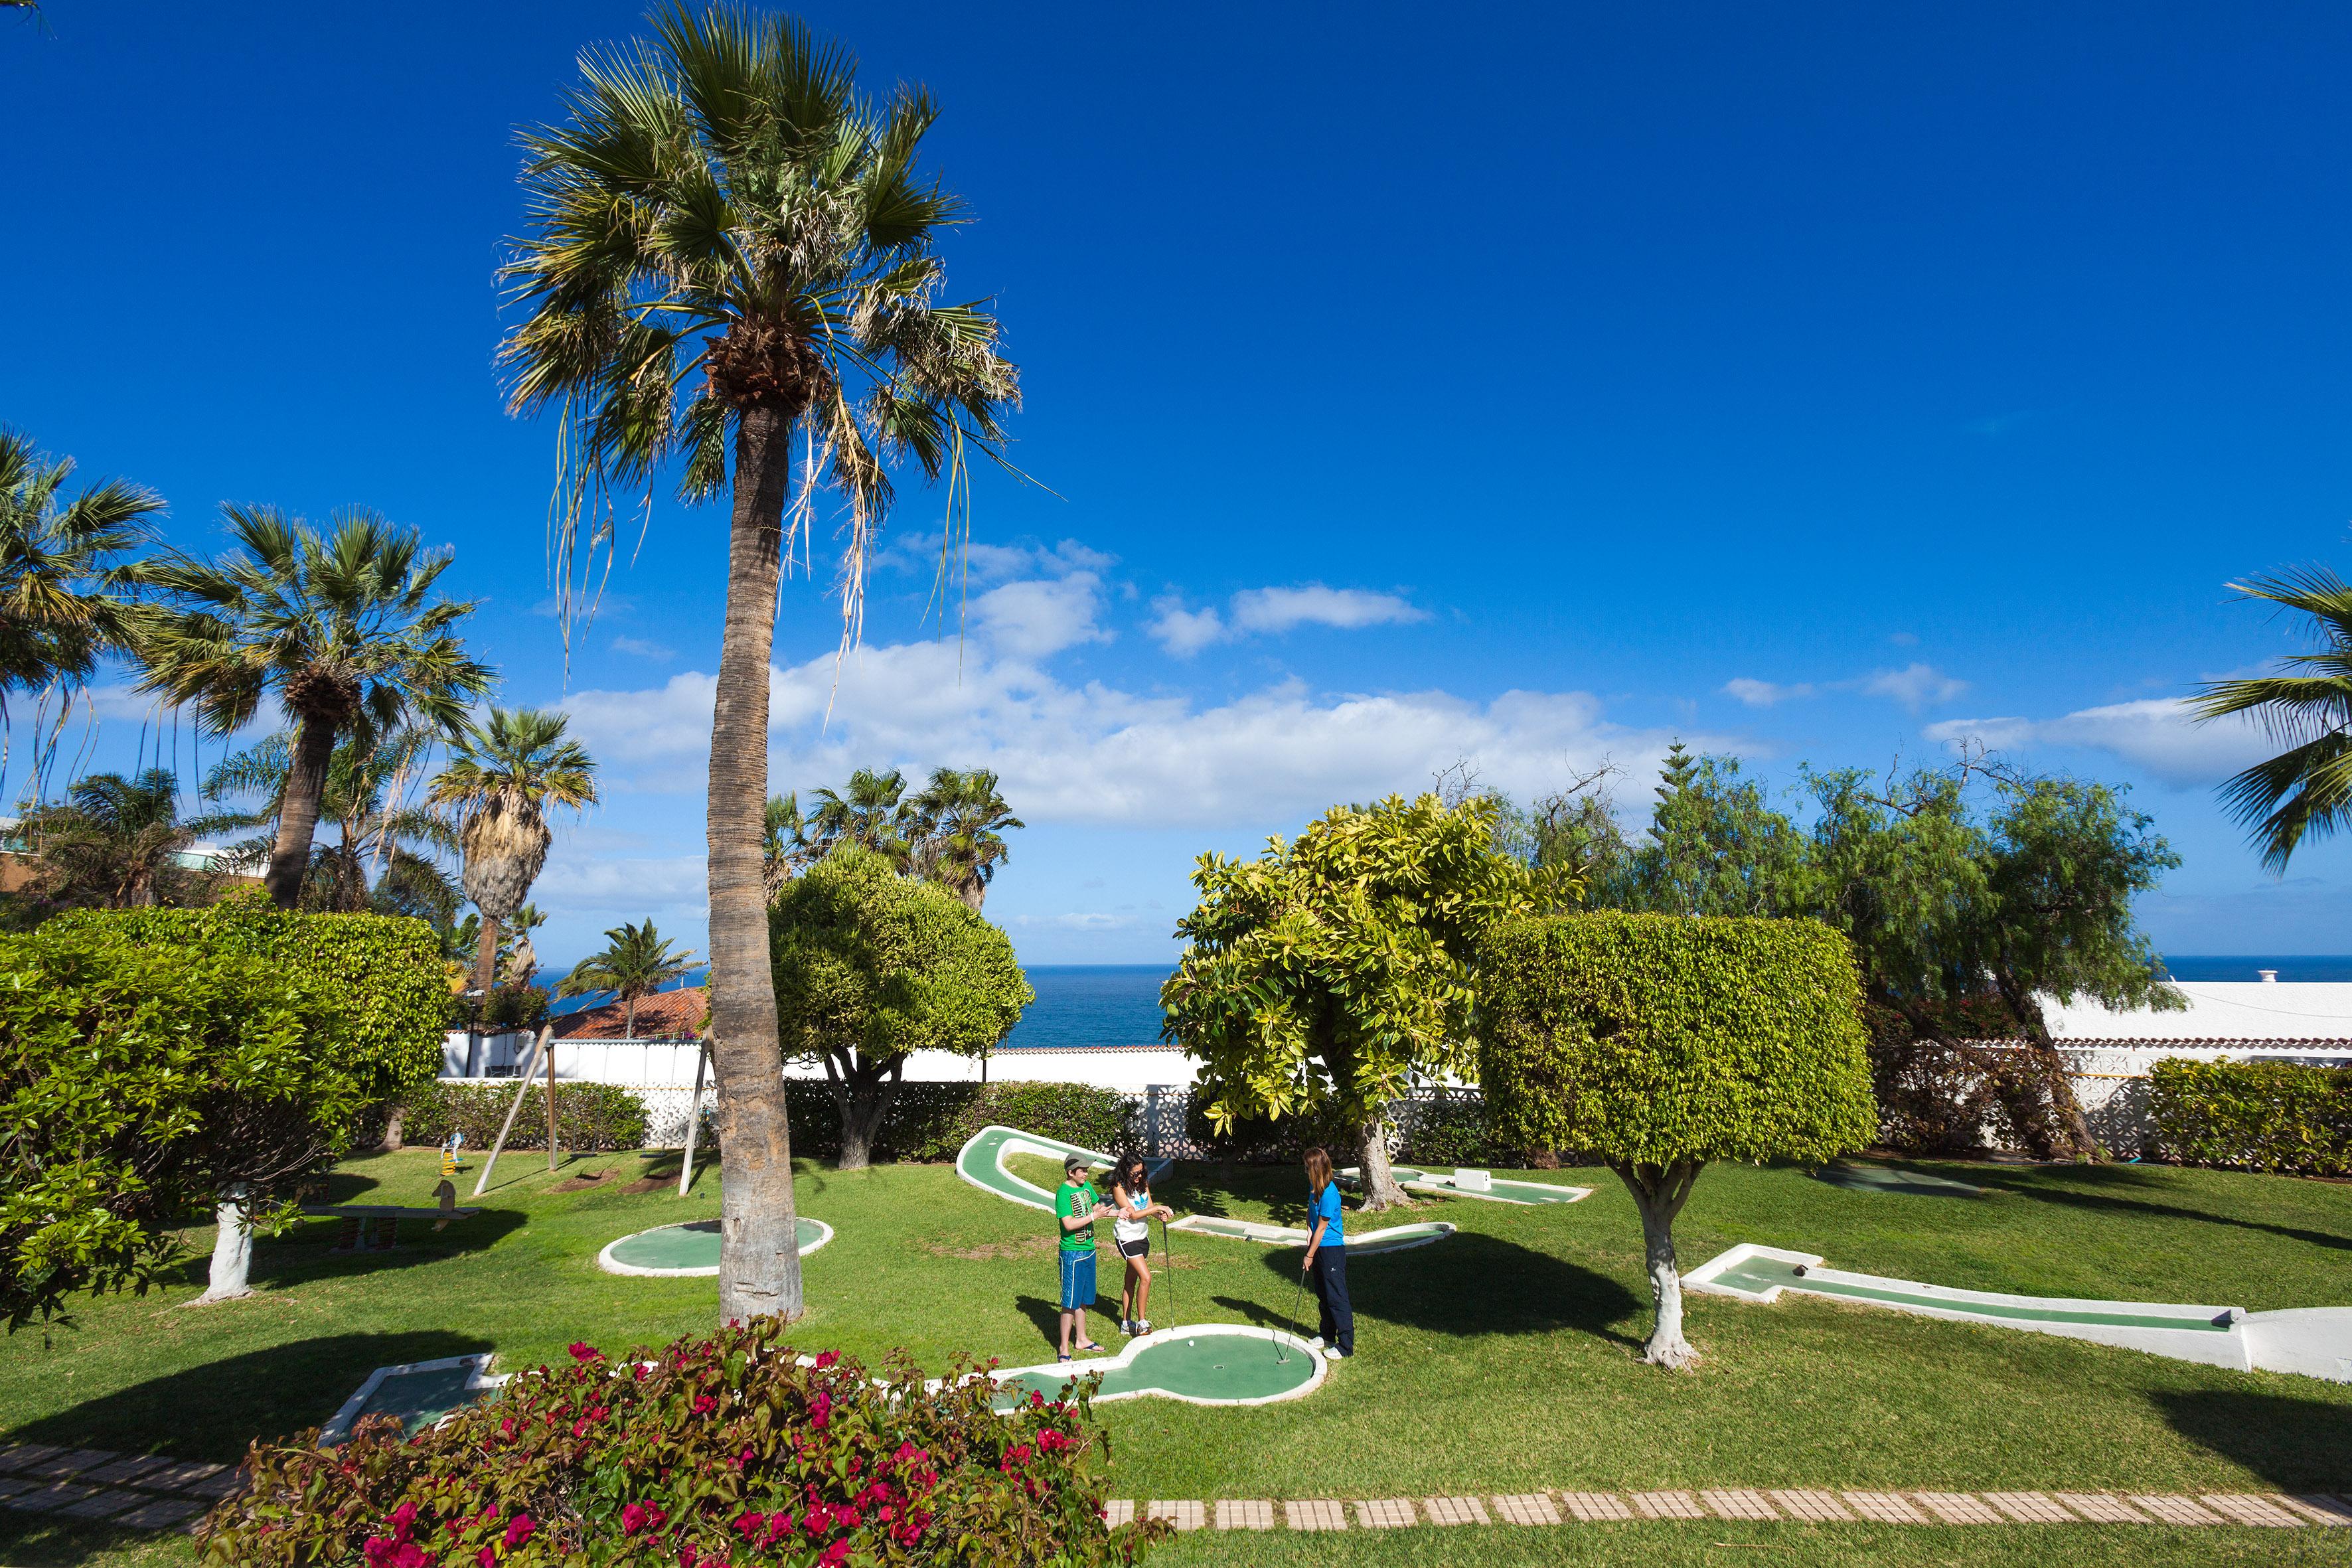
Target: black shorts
[[1139, 1248]]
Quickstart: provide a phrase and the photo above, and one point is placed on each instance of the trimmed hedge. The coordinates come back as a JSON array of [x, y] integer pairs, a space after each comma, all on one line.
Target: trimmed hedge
[[2253, 1116], [383, 971], [588, 1116], [1648, 1039], [931, 1121]]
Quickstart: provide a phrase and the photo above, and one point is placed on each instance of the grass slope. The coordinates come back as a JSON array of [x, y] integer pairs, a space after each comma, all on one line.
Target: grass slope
[[1502, 1359]]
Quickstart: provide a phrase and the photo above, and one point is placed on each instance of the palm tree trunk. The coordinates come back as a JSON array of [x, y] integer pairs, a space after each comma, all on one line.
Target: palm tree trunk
[[485, 958], [759, 1252], [629, 1019], [298, 812]]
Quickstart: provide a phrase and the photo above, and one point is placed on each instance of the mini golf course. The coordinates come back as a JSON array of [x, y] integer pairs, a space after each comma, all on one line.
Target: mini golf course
[[419, 1394], [1868, 1178], [981, 1162], [677, 1251], [1208, 1364], [1464, 1184], [2316, 1342]]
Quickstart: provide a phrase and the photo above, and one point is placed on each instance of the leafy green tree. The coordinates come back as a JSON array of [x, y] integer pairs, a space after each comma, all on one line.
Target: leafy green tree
[[636, 962], [119, 843], [1326, 973], [503, 777], [62, 570], [1716, 846], [2304, 706], [871, 967], [960, 819], [732, 248], [1661, 1043], [342, 627]]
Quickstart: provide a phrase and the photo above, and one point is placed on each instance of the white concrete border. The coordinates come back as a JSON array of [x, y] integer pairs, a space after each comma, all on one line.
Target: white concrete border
[[1075, 1369], [610, 1264]]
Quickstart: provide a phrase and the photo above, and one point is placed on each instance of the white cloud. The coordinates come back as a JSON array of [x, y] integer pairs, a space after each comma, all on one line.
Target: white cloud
[[1095, 754], [1915, 686], [622, 886], [644, 650], [1266, 610], [1764, 693], [1279, 609], [2156, 733], [1040, 615], [1074, 921], [1184, 632]]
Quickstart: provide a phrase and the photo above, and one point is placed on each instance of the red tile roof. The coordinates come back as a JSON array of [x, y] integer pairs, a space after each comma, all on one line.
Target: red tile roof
[[664, 1016]]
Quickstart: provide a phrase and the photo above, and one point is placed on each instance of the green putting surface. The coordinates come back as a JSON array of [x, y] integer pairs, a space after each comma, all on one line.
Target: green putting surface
[[693, 1245], [1499, 1188], [421, 1398], [1888, 1179], [980, 1162], [1760, 1274], [1213, 1366]]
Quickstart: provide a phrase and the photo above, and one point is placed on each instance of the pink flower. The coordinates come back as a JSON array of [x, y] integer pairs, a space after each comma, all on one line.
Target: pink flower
[[519, 1531], [639, 1516], [583, 1351], [486, 1556], [747, 1525], [704, 1404], [820, 1409], [828, 1360], [507, 1428], [835, 1555], [688, 1556], [404, 1521]]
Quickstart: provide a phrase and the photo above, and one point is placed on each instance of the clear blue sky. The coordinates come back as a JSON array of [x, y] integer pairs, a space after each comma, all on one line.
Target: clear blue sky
[[1527, 385]]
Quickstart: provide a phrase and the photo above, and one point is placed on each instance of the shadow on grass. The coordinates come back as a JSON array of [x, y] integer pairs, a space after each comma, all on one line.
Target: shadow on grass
[[2297, 1445], [1047, 1316], [306, 1252], [1207, 1188], [2038, 1185], [213, 1411], [43, 1541], [1467, 1285]]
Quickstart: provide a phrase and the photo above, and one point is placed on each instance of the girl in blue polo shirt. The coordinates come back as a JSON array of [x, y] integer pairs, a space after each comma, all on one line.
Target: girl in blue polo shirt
[[1327, 1260]]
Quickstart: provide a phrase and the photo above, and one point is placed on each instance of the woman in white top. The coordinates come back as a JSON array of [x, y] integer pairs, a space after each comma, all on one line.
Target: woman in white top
[[1132, 1212]]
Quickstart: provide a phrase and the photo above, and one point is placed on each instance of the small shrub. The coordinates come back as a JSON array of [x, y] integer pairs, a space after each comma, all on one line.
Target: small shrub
[[725, 1450], [506, 1009], [2253, 1116], [1453, 1132], [1265, 1140], [928, 1122], [587, 1115]]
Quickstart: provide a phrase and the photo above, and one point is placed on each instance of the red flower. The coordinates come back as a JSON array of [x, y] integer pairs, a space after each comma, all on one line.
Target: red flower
[[820, 1409], [828, 1360], [486, 1556], [404, 1521], [747, 1525], [688, 1556], [519, 1531], [835, 1555], [639, 1516], [704, 1404], [583, 1351]]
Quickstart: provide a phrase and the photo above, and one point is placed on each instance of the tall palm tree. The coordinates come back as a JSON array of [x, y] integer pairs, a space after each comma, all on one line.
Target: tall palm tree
[[341, 627], [60, 567], [870, 813], [962, 819], [636, 962], [119, 843], [501, 779], [731, 247], [785, 846], [385, 856], [2306, 707]]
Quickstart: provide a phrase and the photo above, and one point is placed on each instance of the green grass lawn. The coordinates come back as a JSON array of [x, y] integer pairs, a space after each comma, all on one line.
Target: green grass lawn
[[1501, 1359]]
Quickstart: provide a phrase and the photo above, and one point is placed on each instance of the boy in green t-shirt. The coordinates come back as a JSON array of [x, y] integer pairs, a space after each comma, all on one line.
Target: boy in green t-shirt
[[1074, 1213]]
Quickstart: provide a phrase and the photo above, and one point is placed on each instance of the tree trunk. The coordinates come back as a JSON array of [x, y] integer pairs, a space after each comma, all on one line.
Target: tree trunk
[[975, 893], [297, 810], [1659, 1193], [759, 1252], [629, 1020], [1380, 1189], [486, 959], [862, 1091], [2073, 1127], [232, 1246]]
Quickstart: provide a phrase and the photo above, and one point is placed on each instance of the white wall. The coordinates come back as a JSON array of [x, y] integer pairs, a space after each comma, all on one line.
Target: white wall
[[2219, 1010], [670, 1064]]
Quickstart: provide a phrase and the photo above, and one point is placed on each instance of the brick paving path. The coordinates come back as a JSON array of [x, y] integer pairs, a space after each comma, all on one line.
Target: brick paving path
[[150, 1493], [1743, 1505]]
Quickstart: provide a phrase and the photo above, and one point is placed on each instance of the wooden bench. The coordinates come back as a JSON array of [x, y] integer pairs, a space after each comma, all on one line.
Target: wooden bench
[[375, 1227]]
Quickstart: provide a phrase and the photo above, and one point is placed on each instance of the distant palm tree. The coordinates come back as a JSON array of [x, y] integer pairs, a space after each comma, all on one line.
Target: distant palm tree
[[117, 843], [384, 856], [60, 570], [636, 962], [342, 627], [785, 847], [731, 247], [961, 818], [2307, 708], [501, 779], [870, 813]]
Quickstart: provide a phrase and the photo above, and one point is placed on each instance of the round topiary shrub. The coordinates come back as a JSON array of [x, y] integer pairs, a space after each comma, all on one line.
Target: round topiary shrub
[[729, 1450]]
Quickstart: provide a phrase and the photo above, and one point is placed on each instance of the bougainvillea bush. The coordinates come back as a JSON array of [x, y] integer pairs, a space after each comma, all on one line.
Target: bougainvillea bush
[[727, 1452]]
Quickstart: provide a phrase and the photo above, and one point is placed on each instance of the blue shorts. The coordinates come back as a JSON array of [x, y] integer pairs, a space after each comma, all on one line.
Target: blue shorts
[[1077, 1279]]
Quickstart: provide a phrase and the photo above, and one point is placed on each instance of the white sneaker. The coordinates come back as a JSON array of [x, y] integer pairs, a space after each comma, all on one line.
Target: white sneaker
[[1334, 1353], [1126, 1327], [1142, 1326], [1316, 1343]]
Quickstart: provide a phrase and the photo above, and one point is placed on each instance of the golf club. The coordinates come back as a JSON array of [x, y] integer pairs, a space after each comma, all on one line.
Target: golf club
[[1298, 1299], [1168, 1259]]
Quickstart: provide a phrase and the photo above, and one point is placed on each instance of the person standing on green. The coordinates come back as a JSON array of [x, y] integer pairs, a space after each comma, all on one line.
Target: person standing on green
[[1075, 1204]]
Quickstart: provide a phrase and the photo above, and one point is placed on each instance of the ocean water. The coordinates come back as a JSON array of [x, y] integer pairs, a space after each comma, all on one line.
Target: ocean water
[[1090, 1004], [2335, 967]]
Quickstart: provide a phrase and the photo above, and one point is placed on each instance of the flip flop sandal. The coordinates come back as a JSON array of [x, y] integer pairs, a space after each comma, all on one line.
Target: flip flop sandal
[[1091, 1347]]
